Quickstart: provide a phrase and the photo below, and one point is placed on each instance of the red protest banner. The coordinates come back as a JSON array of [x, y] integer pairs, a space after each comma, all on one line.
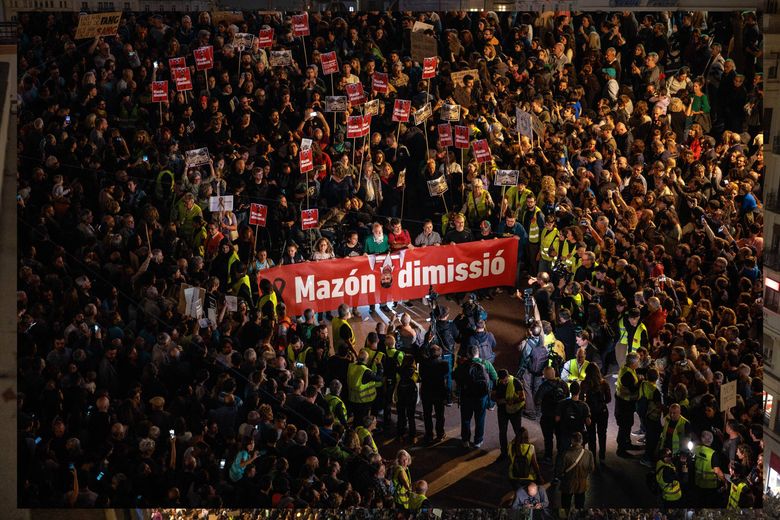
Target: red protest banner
[[306, 160], [204, 58], [177, 63], [407, 275], [182, 79], [310, 218], [330, 63], [429, 67], [402, 109], [355, 94], [482, 151], [258, 214], [365, 125], [445, 135], [354, 127], [379, 82], [159, 92], [461, 137], [300, 24], [265, 38]]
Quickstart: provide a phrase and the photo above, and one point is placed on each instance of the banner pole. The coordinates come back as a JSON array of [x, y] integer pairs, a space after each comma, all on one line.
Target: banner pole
[[462, 177], [254, 245], [403, 199], [239, 63], [161, 121], [427, 147], [206, 77], [446, 209], [397, 144], [305, 56]]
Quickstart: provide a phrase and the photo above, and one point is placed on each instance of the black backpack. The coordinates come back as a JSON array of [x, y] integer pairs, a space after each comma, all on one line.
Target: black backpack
[[521, 466], [571, 419], [477, 383]]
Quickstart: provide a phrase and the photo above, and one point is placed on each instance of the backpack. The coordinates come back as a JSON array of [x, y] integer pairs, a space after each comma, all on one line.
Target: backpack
[[539, 357], [571, 420], [477, 384], [521, 467]]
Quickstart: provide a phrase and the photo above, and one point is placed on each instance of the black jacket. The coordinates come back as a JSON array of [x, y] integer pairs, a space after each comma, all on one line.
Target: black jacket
[[433, 379]]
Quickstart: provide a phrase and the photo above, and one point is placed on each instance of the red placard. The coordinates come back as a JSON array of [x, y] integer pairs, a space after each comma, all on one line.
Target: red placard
[[300, 24], [429, 67], [372, 279], [182, 79], [482, 151], [306, 160], [356, 94], [177, 63], [365, 125], [354, 127], [379, 82], [330, 63], [159, 92], [461, 137], [402, 109], [445, 135], [204, 58], [310, 218], [258, 214], [265, 38]]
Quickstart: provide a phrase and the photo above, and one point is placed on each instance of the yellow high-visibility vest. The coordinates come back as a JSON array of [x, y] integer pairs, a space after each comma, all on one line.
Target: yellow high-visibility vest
[[550, 240], [359, 392], [512, 394], [705, 477], [622, 391], [670, 491]]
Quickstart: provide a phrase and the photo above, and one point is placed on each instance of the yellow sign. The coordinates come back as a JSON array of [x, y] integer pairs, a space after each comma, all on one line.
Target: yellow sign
[[101, 24]]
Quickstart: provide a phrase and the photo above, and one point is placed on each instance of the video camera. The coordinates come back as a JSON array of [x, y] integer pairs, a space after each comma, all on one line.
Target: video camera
[[528, 302], [560, 271]]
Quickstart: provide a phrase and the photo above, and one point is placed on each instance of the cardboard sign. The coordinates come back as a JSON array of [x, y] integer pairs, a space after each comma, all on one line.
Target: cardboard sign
[[402, 109], [336, 103], [728, 396], [422, 115], [423, 46], [401, 182], [221, 203], [243, 41], [482, 151], [371, 108], [379, 82], [310, 218], [365, 127], [461, 137], [159, 92], [449, 113], [300, 23], [429, 67], [355, 94], [306, 160], [539, 127], [196, 157], [182, 79], [524, 123], [330, 63], [265, 38], [457, 77], [281, 58], [204, 58], [306, 143], [445, 135], [506, 178], [191, 300], [438, 186], [421, 27], [101, 24], [258, 214], [177, 63], [358, 126], [231, 302]]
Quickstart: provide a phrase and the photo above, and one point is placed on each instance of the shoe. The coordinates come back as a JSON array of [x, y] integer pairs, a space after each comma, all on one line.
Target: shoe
[[371, 310], [477, 445], [647, 463], [440, 438], [466, 444]]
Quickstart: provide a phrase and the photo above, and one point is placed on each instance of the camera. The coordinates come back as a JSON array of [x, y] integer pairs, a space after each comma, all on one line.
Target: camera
[[528, 303], [560, 271]]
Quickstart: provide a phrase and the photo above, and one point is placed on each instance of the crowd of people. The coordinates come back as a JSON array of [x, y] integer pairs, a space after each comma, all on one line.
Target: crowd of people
[[637, 210]]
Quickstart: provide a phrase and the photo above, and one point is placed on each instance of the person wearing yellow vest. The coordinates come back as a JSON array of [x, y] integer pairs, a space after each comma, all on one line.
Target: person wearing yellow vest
[[336, 406], [418, 500], [364, 432], [267, 302], [523, 466], [186, 211], [626, 396], [361, 387], [567, 247], [668, 481], [676, 430], [344, 314], [479, 204], [376, 361], [509, 395], [222, 265], [649, 408], [199, 237], [550, 241], [296, 353], [740, 496], [574, 369], [241, 288], [707, 475], [633, 334], [514, 199], [402, 479], [532, 219]]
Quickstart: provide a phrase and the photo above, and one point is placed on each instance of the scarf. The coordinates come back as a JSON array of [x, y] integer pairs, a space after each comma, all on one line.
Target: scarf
[[378, 240]]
